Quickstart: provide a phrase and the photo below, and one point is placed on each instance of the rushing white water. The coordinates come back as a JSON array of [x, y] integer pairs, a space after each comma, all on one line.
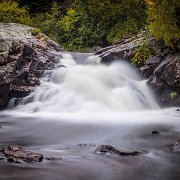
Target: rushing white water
[[86, 104], [93, 87]]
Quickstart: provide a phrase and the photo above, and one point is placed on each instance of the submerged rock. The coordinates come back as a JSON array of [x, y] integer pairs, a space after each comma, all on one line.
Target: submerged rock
[[114, 151], [17, 154], [155, 132], [87, 145], [23, 59], [52, 158], [176, 146]]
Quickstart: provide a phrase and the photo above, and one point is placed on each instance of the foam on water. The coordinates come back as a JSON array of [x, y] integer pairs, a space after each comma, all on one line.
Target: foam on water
[[92, 91]]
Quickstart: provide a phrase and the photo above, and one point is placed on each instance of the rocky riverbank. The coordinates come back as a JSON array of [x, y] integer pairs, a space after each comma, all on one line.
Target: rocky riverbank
[[24, 55], [162, 70]]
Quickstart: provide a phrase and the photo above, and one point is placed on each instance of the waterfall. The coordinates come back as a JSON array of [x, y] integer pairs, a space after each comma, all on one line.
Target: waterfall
[[90, 87]]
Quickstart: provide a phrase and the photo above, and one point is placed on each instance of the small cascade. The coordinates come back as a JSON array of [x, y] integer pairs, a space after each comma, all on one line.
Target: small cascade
[[90, 87]]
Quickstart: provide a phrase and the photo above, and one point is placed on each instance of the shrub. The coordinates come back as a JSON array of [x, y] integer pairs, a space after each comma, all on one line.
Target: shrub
[[144, 52], [11, 12], [88, 22], [84, 24], [122, 30], [48, 22], [35, 31], [163, 19], [173, 95]]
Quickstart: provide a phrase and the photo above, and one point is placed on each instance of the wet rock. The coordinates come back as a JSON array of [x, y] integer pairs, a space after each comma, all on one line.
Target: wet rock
[[28, 52], [1, 156], [17, 154], [151, 64], [146, 71], [153, 60], [165, 81], [52, 158], [5, 89], [162, 70], [124, 50], [16, 58], [155, 132], [20, 91], [23, 60], [176, 146], [14, 102], [4, 102], [87, 145], [33, 80], [107, 149], [22, 74]]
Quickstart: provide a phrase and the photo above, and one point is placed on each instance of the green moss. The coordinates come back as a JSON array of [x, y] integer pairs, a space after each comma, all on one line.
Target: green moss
[[35, 31], [173, 95], [143, 53]]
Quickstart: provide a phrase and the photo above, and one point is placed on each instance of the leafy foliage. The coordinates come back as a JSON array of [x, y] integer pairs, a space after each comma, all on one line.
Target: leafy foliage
[[144, 52], [39, 6], [35, 31], [10, 12], [123, 30], [84, 23], [80, 24], [163, 20], [173, 95]]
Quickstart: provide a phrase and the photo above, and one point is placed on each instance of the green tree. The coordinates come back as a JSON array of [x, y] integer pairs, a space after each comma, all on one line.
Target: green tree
[[11, 12], [163, 19], [98, 23]]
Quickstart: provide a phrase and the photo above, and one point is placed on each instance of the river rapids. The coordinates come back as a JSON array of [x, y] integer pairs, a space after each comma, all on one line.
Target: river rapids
[[85, 102]]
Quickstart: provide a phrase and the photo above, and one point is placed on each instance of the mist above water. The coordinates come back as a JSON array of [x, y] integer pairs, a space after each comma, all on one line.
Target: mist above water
[[93, 87], [83, 90], [87, 102]]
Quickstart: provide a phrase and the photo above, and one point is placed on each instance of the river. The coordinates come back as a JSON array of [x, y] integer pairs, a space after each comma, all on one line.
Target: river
[[84, 104]]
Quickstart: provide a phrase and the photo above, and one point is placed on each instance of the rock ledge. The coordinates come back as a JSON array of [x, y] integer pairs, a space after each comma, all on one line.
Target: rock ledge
[[23, 60]]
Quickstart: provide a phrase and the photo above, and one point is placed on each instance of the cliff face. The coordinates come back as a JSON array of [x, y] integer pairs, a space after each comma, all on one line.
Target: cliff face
[[23, 59], [165, 80]]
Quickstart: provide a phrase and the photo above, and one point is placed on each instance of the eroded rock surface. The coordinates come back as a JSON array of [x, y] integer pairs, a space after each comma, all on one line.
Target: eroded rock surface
[[107, 149], [165, 81], [17, 154], [162, 70], [124, 50], [23, 59]]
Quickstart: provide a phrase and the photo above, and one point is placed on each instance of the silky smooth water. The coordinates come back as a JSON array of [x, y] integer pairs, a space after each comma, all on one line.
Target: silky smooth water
[[91, 88], [87, 103]]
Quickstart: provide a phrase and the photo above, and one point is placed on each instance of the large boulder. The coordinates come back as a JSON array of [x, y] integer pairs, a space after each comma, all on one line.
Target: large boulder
[[165, 81], [23, 59], [123, 50], [162, 70]]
